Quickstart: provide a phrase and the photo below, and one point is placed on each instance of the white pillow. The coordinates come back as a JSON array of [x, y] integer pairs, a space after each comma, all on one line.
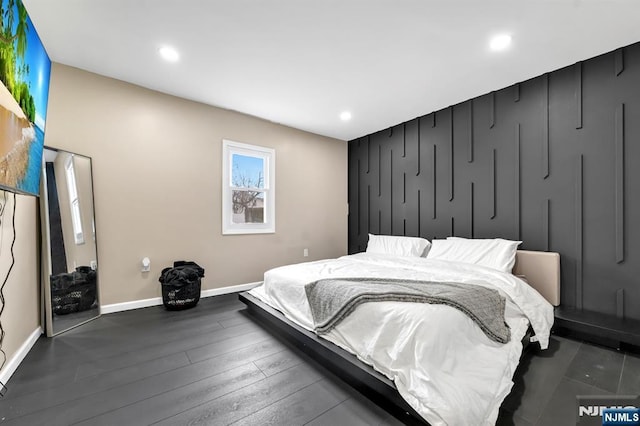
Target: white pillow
[[494, 253], [398, 246]]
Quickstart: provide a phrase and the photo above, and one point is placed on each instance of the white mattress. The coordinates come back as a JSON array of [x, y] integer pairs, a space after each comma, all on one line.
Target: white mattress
[[443, 365]]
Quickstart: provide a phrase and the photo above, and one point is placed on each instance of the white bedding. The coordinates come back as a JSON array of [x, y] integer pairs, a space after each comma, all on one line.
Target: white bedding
[[443, 365]]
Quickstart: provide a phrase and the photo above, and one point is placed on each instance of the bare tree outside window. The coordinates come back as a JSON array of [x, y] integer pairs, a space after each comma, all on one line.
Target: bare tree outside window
[[247, 198]]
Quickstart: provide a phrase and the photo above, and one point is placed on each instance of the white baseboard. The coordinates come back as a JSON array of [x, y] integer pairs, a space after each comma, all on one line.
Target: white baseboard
[[144, 303], [12, 365], [127, 306]]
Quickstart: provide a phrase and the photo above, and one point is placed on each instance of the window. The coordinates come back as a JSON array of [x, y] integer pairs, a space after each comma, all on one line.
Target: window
[[248, 189], [74, 203]]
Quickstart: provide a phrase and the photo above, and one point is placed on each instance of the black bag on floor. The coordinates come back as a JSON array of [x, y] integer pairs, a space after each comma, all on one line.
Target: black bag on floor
[[74, 291], [181, 285]]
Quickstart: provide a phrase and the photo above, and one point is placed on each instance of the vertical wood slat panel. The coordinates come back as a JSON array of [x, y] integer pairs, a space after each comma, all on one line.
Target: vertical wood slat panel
[[619, 183], [470, 136], [391, 192], [418, 139], [579, 230], [419, 216], [619, 61], [358, 199], [404, 140], [435, 186], [451, 155], [433, 119], [368, 208], [353, 214], [578, 94], [545, 127], [517, 181], [404, 188], [379, 171], [493, 184], [492, 110]]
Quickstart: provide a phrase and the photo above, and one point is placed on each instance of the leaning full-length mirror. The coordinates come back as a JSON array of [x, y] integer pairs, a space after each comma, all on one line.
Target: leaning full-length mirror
[[69, 254]]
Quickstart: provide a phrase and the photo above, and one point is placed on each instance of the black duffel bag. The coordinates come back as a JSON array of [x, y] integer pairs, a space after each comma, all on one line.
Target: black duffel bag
[[181, 285], [74, 291]]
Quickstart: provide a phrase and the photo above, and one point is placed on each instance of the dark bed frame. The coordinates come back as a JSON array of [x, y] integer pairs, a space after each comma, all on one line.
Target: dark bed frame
[[362, 377], [348, 367]]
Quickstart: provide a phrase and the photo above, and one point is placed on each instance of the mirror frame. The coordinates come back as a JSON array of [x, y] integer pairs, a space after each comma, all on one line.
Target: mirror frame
[[46, 265]]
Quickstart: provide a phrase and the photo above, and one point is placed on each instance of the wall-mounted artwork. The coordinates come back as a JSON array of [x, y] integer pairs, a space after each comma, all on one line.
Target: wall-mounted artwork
[[24, 88]]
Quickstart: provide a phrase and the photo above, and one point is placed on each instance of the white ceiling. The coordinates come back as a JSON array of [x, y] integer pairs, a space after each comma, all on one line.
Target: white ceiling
[[302, 62]]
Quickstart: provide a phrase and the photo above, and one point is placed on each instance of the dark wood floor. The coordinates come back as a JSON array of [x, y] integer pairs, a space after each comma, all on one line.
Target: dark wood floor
[[214, 365]]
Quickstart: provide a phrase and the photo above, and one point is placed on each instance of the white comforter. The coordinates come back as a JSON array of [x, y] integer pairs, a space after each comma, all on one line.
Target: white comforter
[[443, 365]]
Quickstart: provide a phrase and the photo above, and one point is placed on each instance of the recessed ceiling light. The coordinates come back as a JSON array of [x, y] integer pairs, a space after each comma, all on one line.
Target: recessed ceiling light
[[500, 42], [345, 116], [169, 53]]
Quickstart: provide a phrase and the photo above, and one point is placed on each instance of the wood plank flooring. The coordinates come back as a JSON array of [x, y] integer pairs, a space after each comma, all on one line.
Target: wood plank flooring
[[214, 364], [208, 365]]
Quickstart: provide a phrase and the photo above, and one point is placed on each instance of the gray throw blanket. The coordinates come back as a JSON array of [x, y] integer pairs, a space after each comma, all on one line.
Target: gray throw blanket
[[331, 300]]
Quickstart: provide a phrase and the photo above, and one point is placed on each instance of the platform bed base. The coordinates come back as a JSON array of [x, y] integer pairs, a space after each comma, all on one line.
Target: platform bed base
[[349, 368], [345, 365]]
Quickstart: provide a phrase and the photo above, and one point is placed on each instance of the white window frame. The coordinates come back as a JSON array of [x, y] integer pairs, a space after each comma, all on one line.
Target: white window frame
[[229, 148], [74, 202]]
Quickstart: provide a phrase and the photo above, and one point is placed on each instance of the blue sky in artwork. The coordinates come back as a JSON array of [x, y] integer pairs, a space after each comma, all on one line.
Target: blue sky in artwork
[[39, 70], [248, 167]]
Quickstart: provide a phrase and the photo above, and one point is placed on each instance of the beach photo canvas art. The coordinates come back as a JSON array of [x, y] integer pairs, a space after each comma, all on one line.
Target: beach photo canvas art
[[24, 88]]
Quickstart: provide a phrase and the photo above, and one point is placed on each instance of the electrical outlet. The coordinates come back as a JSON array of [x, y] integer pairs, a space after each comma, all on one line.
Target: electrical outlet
[[305, 252]]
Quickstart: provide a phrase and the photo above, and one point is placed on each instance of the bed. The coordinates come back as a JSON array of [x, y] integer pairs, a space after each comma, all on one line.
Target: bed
[[427, 362]]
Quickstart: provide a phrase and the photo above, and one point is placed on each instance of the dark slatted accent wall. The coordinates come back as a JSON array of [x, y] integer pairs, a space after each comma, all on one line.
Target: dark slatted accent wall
[[553, 161]]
